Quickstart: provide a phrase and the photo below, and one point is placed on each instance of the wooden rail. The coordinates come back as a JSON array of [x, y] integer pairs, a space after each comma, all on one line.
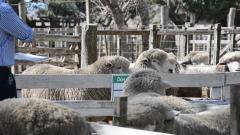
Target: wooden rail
[[52, 37], [105, 80], [53, 51]]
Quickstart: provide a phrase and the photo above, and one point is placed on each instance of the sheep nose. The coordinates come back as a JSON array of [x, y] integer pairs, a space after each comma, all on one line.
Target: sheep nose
[[170, 70]]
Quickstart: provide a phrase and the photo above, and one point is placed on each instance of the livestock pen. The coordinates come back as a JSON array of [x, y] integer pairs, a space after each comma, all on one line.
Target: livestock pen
[[69, 47], [102, 81]]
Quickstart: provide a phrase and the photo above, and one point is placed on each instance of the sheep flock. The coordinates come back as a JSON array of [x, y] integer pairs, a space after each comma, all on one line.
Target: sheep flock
[[150, 106]]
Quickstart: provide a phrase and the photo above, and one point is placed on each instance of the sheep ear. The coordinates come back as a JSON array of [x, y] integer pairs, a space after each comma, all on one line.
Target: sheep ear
[[171, 114]]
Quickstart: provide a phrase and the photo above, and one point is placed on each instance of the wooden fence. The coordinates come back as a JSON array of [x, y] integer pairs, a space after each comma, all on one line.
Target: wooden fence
[[79, 42], [105, 81]]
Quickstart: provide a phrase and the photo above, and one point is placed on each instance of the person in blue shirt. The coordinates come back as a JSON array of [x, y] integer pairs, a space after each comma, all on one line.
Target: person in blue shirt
[[11, 26]]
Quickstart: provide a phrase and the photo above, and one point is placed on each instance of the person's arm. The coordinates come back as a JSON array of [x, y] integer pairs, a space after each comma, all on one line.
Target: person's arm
[[12, 24]]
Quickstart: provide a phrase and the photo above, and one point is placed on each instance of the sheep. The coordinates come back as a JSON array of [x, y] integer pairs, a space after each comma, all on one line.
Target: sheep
[[144, 106], [211, 122], [148, 108], [174, 65], [104, 65], [193, 58], [232, 60], [154, 59], [196, 57], [145, 79], [39, 117]]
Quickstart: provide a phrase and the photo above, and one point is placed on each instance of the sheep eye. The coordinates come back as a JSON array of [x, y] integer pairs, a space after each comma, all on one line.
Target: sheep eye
[[155, 60], [109, 65]]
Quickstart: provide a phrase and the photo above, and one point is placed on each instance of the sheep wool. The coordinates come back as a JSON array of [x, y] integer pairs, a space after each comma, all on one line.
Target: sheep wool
[[39, 117], [104, 65]]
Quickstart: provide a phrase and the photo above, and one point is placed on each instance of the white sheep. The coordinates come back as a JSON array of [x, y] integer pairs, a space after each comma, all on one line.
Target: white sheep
[[211, 122], [196, 57], [39, 117], [104, 65], [148, 108], [232, 60], [153, 59]]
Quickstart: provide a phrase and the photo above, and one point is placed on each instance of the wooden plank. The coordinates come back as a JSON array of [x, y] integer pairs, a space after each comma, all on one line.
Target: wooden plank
[[185, 32], [235, 109], [194, 80], [56, 63], [51, 37], [115, 130], [53, 31], [105, 80], [90, 107], [123, 32], [231, 31], [53, 51], [232, 78], [64, 81], [223, 42]]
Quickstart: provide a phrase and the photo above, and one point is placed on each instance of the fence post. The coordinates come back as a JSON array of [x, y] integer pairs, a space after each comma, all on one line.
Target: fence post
[[231, 23], [88, 44], [22, 10], [235, 110], [209, 47], [120, 111], [164, 16], [153, 37], [231, 17], [233, 41], [217, 44], [145, 42], [77, 32]]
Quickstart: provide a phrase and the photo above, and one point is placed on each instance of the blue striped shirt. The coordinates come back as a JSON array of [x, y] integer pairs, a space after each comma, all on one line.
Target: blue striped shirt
[[11, 26]]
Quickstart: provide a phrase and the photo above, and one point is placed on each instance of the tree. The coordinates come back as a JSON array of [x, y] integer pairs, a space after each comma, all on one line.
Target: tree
[[211, 10]]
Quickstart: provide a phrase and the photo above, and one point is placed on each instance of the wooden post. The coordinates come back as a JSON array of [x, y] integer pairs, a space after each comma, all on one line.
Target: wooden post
[[209, 47], [88, 6], [231, 23], [145, 42], [120, 111], [235, 110], [77, 32], [153, 37], [22, 10], [231, 17], [233, 41], [118, 45], [88, 44], [163, 22], [192, 18], [164, 16], [217, 44]]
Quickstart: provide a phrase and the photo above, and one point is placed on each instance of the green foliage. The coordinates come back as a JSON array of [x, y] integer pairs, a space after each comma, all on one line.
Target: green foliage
[[64, 9], [61, 9], [14, 1], [213, 10]]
